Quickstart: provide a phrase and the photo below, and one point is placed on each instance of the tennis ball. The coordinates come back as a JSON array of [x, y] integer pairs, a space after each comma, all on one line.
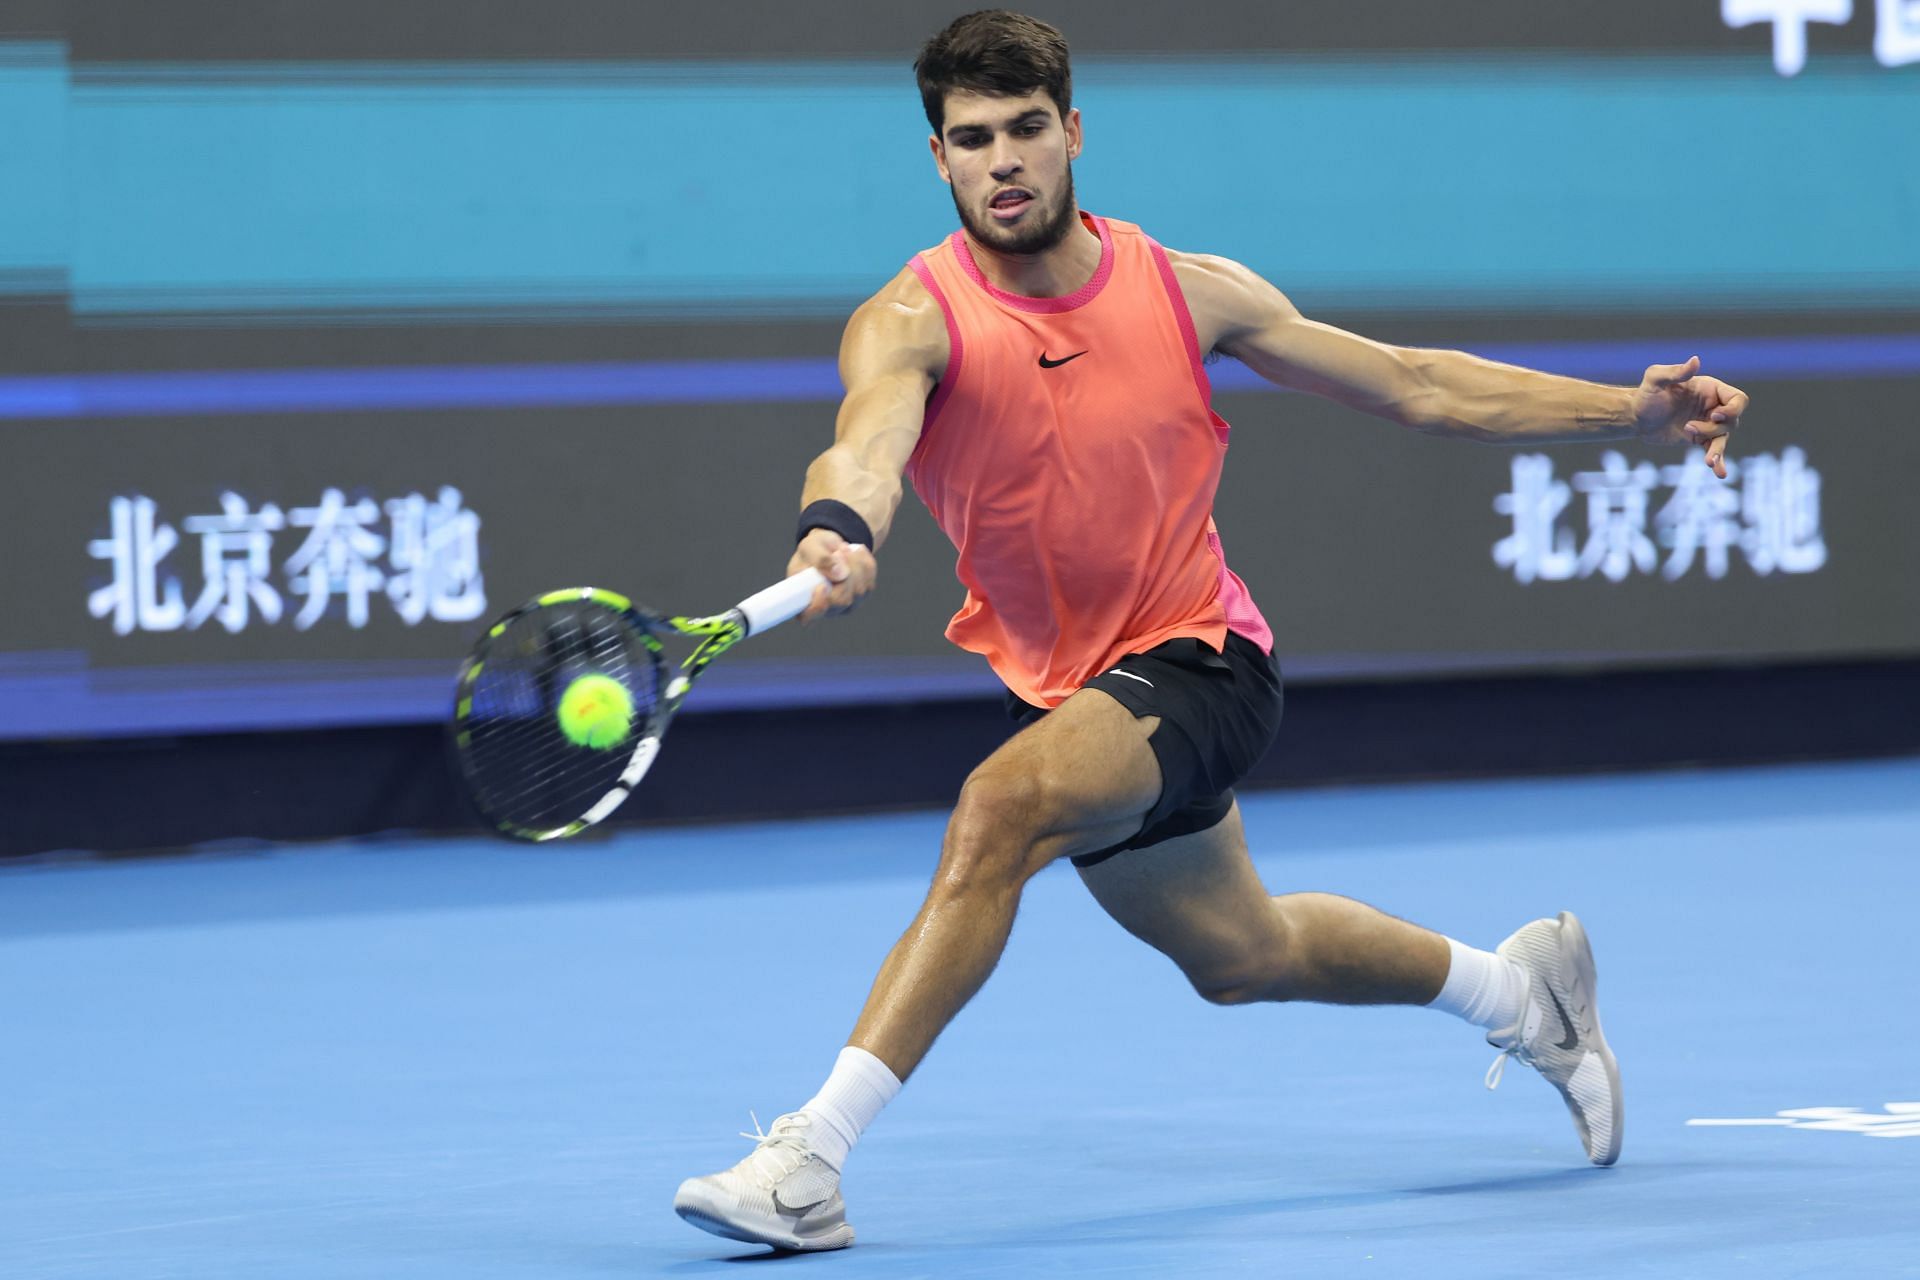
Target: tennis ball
[[596, 711]]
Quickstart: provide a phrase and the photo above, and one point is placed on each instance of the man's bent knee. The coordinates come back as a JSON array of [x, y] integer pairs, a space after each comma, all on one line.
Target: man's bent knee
[[1258, 965], [1231, 987], [994, 835]]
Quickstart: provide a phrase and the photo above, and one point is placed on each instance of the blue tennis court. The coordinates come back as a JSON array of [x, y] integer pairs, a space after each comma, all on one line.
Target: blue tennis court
[[464, 1059]]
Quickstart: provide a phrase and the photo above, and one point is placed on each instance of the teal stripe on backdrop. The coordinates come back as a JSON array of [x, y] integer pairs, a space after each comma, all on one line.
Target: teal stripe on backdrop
[[33, 178], [793, 188], [1620, 182]]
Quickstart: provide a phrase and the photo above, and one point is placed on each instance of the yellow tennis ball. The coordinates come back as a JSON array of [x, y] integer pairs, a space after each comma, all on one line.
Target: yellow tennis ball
[[596, 711]]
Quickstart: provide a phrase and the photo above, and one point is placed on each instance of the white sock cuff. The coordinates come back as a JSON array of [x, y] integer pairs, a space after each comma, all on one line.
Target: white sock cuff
[[1486, 989], [859, 1086], [877, 1074]]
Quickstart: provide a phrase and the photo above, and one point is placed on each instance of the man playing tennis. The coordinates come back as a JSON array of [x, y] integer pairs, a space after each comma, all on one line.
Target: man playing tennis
[[1039, 378]]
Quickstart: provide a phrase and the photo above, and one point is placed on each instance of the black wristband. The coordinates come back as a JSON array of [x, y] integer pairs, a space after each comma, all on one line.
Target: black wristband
[[837, 516]]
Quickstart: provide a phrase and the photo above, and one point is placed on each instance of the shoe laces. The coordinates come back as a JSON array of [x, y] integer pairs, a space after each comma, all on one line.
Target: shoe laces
[[1515, 1040], [781, 1149], [1498, 1070]]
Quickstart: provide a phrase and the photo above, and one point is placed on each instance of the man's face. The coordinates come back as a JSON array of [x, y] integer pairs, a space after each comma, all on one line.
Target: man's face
[[1009, 163]]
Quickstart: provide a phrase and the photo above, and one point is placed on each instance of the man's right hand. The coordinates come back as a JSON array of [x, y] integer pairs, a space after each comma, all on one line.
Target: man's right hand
[[849, 570]]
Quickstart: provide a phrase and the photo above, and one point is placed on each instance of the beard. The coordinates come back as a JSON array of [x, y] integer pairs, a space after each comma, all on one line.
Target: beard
[[1032, 235]]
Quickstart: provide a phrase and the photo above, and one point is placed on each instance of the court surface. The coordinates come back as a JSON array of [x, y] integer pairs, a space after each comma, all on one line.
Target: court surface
[[466, 1059]]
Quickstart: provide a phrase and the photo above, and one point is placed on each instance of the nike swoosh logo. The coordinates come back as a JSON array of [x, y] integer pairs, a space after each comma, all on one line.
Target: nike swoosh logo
[[1572, 1040], [795, 1211], [1129, 675], [1055, 364]]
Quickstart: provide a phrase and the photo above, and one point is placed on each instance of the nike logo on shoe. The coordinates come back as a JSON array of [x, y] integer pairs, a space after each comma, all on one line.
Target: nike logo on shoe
[[1572, 1040], [1055, 364]]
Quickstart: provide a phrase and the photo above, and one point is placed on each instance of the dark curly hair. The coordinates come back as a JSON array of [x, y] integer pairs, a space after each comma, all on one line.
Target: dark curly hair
[[994, 51]]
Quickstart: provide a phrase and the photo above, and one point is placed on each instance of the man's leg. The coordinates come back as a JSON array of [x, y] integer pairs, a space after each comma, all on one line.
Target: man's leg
[[1198, 900], [1082, 778]]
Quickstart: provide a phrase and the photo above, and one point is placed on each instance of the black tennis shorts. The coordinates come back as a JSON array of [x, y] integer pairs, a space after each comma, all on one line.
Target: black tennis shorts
[[1219, 712]]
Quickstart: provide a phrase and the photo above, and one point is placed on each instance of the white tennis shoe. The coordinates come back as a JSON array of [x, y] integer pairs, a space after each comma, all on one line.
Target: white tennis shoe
[[1558, 1034], [782, 1194]]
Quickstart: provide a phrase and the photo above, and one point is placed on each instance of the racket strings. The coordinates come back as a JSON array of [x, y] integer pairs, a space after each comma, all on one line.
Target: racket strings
[[525, 772]]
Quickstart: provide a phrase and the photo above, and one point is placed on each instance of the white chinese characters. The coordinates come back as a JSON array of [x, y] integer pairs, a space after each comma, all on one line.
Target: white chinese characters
[[1896, 38], [236, 549], [137, 600], [1781, 510], [338, 556], [1537, 547], [1789, 19], [434, 559], [424, 558], [1617, 541], [1768, 510], [1896, 32]]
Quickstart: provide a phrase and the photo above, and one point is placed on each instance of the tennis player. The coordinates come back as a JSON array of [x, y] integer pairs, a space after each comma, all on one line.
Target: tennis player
[[1039, 378]]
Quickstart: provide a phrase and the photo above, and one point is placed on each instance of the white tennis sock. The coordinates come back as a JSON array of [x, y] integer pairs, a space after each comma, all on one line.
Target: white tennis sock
[[847, 1103], [1487, 990]]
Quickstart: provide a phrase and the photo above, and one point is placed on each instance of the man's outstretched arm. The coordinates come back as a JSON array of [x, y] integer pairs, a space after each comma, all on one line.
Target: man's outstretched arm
[[892, 347], [1449, 393]]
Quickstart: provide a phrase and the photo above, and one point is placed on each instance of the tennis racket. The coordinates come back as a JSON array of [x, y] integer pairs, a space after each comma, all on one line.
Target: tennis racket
[[525, 776]]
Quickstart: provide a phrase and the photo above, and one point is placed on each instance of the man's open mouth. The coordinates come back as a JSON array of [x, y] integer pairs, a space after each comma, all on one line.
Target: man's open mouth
[[1009, 204]]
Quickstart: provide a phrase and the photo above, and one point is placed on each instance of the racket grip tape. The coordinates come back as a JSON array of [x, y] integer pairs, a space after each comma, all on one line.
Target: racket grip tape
[[780, 602]]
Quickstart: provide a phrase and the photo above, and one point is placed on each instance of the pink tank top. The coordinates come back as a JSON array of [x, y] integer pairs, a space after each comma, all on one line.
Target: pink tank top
[[1071, 454]]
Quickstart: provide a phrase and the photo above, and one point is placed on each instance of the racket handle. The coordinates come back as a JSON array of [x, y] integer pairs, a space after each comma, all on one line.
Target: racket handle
[[781, 601]]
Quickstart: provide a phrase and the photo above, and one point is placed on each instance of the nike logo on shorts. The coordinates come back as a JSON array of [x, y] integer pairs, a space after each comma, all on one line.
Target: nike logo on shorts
[[1129, 675]]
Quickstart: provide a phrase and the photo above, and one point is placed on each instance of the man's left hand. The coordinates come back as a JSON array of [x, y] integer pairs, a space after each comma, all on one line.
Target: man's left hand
[[1674, 406]]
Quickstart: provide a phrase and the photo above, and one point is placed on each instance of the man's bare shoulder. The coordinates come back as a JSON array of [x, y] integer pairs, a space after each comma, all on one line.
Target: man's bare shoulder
[[1215, 276], [1202, 266], [903, 308], [1224, 296], [901, 325]]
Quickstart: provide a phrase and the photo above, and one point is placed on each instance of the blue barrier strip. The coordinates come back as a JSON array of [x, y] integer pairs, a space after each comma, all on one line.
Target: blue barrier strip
[[197, 392], [47, 695], [57, 695], [201, 393]]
